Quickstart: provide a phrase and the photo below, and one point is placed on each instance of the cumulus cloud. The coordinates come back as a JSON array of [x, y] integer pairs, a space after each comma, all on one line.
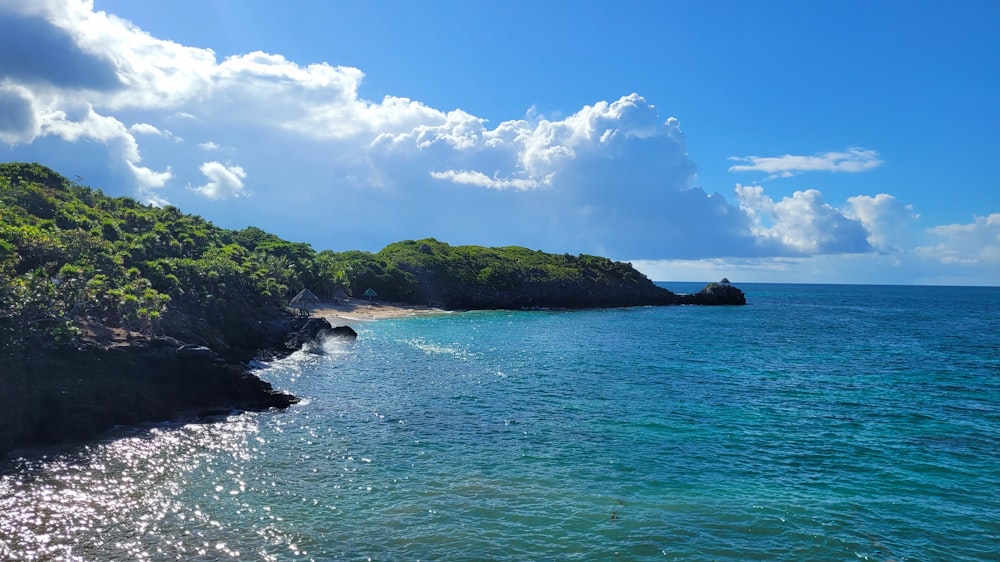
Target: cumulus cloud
[[803, 223], [224, 181], [522, 155], [82, 122], [209, 145], [977, 242], [853, 160], [889, 222], [612, 178], [149, 182]]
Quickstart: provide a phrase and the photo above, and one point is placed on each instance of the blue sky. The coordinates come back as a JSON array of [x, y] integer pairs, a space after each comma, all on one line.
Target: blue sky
[[846, 142]]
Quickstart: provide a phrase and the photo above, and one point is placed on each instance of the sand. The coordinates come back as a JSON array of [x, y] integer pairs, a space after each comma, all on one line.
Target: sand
[[355, 310]]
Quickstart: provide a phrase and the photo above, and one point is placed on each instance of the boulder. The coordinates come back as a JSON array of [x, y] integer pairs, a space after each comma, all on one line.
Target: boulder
[[344, 332]]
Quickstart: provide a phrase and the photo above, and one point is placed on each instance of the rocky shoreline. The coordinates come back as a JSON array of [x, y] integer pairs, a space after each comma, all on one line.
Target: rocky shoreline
[[62, 393], [56, 393]]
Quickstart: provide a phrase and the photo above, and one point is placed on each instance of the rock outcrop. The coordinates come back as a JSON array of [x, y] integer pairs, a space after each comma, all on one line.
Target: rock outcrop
[[61, 392], [310, 332], [715, 294]]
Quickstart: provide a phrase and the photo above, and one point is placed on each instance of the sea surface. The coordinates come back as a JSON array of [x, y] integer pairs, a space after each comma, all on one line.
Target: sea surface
[[816, 423]]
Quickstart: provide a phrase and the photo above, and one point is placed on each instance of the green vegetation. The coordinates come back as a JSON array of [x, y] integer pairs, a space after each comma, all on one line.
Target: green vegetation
[[478, 277], [69, 254]]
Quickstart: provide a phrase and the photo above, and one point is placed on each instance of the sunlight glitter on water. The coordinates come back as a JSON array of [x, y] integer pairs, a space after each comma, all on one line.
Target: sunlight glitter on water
[[122, 499]]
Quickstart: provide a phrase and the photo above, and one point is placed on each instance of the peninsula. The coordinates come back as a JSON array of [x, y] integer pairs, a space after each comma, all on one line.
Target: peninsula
[[114, 312]]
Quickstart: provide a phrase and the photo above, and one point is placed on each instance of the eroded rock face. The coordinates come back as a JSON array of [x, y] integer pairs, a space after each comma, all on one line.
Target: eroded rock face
[[56, 393]]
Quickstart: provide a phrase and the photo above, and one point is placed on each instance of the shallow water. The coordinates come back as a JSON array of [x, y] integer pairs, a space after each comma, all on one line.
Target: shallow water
[[819, 422]]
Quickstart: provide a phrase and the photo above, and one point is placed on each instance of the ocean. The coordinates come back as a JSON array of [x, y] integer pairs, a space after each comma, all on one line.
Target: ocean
[[819, 422]]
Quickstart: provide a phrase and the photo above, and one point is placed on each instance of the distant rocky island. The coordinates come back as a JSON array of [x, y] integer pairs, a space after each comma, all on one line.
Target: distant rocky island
[[113, 312]]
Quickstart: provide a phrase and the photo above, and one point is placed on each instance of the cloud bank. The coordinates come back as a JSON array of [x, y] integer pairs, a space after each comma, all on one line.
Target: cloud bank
[[326, 165]]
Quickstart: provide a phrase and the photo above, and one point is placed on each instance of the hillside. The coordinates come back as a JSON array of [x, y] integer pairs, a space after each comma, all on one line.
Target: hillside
[[113, 312], [515, 277], [69, 253]]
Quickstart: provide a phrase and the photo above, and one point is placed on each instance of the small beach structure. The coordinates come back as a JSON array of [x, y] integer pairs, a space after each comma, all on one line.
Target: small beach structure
[[370, 293], [339, 295], [303, 301]]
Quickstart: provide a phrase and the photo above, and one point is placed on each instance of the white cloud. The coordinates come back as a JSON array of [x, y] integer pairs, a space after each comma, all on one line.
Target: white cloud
[[974, 243], [803, 223], [319, 101], [224, 181], [479, 179], [853, 160], [520, 155], [152, 130], [209, 145], [149, 181], [889, 222], [145, 129], [83, 123]]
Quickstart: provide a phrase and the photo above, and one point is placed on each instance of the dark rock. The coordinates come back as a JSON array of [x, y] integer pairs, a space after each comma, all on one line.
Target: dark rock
[[309, 334], [157, 342], [306, 331], [68, 394], [345, 332], [57, 393], [190, 351], [715, 294]]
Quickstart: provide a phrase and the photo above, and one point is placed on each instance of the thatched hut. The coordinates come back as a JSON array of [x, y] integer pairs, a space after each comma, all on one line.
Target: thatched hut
[[303, 301]]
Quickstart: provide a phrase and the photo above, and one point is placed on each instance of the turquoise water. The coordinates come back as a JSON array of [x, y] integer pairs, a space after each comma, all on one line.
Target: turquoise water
[[816, 423]]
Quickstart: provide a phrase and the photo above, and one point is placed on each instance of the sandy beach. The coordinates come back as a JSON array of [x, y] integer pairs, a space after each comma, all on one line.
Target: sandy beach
[[354, 310]]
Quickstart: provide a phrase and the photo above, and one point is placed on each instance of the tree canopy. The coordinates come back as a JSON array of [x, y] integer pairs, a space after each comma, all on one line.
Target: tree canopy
[[69, 252]]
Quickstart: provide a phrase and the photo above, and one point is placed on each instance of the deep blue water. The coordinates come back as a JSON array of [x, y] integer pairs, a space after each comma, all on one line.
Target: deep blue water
[[816, 423]]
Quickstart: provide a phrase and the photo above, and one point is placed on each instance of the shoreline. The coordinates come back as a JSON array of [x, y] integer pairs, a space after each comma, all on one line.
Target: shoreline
[[358, 310]]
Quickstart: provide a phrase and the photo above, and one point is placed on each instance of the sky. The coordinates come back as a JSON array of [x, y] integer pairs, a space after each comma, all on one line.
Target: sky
[[805, 142]]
